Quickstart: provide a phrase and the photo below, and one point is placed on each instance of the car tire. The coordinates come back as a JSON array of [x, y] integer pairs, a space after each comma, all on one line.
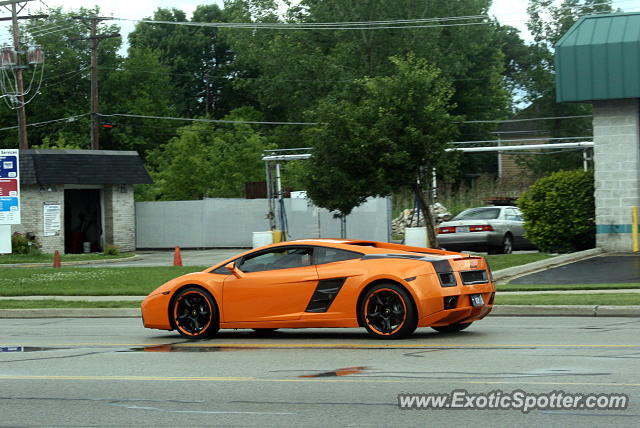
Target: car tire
[[452, 328], [194, 313], [507, 244], [387, 311]]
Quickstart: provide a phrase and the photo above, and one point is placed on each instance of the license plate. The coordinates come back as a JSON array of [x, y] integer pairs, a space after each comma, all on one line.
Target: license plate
[[462, 229], [477, 300]]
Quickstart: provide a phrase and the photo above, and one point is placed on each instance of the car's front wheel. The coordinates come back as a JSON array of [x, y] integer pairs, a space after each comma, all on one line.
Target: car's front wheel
[[194, 313], [388, 312], [452, 328]]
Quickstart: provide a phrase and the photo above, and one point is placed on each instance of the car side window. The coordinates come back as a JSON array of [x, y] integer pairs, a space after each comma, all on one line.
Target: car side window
[[330, 255], [512, 214], [222, 270], [277, 258], [518, 214]]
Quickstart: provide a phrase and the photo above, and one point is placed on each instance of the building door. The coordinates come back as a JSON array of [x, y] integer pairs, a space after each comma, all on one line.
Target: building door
[[82, 221]]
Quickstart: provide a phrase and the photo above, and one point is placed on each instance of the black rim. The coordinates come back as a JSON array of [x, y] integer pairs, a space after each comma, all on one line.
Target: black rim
[[192, 313], [385, 311]]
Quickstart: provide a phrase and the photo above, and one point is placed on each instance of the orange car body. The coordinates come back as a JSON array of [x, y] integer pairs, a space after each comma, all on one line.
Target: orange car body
[[443, 285]]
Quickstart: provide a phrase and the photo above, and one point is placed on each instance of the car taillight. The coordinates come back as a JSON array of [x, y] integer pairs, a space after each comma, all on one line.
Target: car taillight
[[481, 228], [448, 229]]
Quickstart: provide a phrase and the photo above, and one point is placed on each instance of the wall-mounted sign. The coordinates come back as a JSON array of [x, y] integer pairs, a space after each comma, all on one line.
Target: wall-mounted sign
[[9, 186], [51, 214]]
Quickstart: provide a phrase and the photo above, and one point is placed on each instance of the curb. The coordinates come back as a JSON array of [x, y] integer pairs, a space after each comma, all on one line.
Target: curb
[[505, 275], [501, 310], [73, 263], [71, 313], [565, 311]]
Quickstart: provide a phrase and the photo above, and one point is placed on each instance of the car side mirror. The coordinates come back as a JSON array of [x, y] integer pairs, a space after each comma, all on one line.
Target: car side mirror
[[231, 267]]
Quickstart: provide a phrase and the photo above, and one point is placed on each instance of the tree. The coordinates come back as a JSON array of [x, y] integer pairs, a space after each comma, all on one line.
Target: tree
[[386, 135], [210, 160], [65, 86], [198, 60], [548, 22]]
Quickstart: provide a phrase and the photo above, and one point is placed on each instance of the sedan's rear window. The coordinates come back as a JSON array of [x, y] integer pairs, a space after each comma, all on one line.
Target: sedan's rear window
[[479, 214]]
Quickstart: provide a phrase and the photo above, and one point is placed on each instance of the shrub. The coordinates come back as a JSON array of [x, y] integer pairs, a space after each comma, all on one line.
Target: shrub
[[559, 211], [21, 244], [111, 250]]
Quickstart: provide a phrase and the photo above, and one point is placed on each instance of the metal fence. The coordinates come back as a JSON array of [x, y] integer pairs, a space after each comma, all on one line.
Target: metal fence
[[212, 223]]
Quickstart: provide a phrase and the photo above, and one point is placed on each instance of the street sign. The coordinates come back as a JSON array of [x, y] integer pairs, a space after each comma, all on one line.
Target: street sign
[[9, 186]]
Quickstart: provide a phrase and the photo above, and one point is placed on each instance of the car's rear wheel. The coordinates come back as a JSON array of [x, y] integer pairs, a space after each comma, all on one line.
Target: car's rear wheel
[[507, 244], [451, 328], [388, 312], [194, 313]]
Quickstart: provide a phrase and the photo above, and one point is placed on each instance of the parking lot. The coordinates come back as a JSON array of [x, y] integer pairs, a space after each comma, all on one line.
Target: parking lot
[[113, 372]]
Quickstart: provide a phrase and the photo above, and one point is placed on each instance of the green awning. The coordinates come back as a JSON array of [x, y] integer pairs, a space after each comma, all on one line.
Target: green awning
[[599, 59]]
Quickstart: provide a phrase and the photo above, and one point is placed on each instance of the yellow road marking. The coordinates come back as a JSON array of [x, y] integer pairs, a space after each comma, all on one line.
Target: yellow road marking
[[329, 345], [318, 380]]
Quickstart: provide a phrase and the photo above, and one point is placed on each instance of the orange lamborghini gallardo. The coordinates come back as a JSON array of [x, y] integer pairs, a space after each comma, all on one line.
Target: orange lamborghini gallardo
[[389, 289]]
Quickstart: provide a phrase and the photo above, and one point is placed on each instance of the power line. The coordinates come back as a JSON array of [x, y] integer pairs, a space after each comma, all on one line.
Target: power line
[[518, 140], [527, 120], [209, 120], [365, 25], [69, 119]]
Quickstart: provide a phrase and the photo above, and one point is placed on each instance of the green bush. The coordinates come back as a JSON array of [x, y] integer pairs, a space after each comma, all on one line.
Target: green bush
[[111, 250], [21, 244], [559, 212]]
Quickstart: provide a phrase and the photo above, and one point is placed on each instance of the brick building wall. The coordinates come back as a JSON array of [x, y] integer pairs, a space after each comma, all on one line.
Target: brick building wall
[[118, 208], [32, 200], [120, 216], [616, 131]]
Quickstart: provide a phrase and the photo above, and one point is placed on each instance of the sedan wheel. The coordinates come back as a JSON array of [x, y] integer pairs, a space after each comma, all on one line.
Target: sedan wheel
[[507, 244], [388, 312], [194, 314]]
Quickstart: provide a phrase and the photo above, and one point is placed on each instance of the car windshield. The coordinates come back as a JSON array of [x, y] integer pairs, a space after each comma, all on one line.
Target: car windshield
[[479, 214]]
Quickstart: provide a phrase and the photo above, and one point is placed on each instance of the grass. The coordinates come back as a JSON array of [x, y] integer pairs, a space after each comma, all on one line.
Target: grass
[[78, 281], [50, 303], [568, 287], [48, 258], [571, 299], [503, 261]]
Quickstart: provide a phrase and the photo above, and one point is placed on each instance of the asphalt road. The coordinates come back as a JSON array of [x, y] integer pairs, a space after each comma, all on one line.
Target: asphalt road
[[605, 269], [112, 372]]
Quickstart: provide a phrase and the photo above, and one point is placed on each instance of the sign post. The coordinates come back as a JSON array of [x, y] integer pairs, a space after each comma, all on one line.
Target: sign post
[[9, 195]]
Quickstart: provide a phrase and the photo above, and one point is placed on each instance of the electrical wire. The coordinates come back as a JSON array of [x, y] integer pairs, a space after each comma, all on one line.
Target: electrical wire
[[527, 119], [519, 140], [69, 119], [138, 116], [363, 25]]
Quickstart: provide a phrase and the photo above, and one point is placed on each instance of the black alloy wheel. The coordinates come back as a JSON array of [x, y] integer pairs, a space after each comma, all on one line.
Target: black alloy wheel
[[388, 312], [194, 314]]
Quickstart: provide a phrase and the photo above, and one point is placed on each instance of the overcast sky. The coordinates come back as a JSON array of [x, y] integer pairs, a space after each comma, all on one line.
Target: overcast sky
[[508, 12]]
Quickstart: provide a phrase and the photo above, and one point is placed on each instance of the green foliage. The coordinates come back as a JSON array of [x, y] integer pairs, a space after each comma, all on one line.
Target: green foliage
[[21, 244], [210, 160], [380, 137], [111, 250], [559, 211]]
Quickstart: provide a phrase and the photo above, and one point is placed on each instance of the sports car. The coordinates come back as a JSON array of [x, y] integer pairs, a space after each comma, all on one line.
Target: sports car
[[389, 289]]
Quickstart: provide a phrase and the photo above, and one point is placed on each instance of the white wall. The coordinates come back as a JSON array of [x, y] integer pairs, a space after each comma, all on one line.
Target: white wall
[[231, 222]]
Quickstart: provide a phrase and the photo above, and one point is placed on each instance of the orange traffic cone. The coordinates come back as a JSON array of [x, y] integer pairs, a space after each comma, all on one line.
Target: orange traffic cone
[[177, 257], [56, 259]]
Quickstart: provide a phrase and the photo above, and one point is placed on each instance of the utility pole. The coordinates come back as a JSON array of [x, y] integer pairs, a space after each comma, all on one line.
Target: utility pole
[[94, 39], [22, 116]]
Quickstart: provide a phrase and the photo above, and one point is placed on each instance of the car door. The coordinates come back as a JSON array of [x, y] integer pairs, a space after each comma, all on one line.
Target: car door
[[516, 225], [276, 284]]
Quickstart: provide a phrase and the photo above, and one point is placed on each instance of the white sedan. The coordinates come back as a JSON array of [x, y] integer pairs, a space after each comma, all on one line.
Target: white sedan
[[495, 229]]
